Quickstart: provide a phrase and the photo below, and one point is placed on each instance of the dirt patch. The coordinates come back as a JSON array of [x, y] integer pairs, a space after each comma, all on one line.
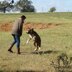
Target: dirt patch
[[8, 26], [5, 27]]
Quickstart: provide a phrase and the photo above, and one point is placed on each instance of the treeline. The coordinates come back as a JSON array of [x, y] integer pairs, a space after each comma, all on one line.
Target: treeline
[[20, 5]]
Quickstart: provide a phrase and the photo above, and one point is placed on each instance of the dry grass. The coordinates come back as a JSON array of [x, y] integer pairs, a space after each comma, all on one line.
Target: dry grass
[[55, 41]]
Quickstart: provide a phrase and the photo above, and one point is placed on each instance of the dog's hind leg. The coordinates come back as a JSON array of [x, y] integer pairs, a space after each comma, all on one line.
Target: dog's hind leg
[[39, 45], [35, 44], [39, 48]]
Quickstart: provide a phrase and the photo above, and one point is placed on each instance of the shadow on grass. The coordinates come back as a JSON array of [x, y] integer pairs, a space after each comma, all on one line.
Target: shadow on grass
[[45, 52], [42, 52]]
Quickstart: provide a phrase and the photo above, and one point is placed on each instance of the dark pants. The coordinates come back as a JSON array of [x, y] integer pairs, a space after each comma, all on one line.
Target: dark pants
[[16, 41]]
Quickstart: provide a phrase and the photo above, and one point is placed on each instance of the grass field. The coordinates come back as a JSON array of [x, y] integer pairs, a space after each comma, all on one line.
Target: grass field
[[55, 40]]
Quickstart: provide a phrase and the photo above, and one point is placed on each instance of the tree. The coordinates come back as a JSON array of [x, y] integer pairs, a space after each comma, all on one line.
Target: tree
[[6, 6], [25, 6], [53, 9]]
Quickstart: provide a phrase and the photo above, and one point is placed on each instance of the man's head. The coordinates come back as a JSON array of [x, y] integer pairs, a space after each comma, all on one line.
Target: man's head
[[23, 17]]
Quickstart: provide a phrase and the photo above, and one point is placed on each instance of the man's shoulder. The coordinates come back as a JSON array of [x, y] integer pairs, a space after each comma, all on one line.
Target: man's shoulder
[[18, 20]]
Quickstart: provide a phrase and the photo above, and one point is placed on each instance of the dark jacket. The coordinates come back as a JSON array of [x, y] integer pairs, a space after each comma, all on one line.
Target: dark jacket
[[17, 27]]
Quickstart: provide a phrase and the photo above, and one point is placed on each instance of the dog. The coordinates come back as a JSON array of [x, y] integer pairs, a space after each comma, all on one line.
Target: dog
[[36, 38]]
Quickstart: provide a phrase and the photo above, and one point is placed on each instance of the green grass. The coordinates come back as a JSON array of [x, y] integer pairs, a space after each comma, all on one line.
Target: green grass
[[39, 17], [55, 41]]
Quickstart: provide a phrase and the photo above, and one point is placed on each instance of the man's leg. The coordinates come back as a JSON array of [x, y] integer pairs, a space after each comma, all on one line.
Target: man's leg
[[10, 49], [18, 43]]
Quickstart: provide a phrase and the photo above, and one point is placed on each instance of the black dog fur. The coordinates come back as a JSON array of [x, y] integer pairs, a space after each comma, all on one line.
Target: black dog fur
[[37, 40]]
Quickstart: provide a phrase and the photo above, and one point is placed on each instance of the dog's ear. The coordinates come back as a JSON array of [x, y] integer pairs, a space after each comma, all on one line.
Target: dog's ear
[[32, 29]]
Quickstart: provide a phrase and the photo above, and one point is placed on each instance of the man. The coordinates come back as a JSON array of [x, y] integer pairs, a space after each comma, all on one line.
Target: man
[[16, 33]]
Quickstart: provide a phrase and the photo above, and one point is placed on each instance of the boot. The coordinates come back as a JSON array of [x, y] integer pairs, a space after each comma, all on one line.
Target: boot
[[18, 50], [10, 50]]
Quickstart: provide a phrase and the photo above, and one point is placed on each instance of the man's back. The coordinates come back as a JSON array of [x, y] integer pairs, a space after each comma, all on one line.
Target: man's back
[[17, 27]]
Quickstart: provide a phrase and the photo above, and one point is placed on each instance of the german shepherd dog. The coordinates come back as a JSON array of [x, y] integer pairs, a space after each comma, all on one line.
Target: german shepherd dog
[[36, 38]]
